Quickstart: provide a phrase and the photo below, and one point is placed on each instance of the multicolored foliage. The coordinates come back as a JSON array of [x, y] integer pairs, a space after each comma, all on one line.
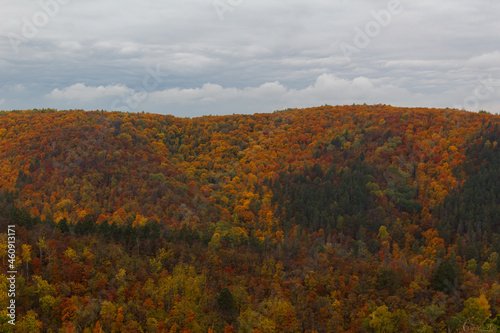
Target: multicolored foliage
[[351, 218]]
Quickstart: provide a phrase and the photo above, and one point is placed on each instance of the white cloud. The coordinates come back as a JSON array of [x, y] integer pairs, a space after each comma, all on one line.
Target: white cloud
[[419, 64], [326, 89], [79, 92], [71, 46], [19, 88], [486, 60], [14, 88]]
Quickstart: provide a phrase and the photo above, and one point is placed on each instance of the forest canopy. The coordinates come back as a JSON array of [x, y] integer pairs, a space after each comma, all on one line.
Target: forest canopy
[[350, 218]]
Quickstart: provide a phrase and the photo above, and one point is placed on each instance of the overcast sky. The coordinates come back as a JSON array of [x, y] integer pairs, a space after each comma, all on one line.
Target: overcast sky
[[196, 57]]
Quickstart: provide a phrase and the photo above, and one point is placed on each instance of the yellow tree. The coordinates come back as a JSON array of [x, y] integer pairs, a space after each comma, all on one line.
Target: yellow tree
[[476, 309], [3, 247], [26, 256], [29, 324], [381, 320]]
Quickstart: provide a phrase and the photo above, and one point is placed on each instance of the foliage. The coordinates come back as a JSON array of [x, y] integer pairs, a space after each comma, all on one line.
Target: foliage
[[329, 219]]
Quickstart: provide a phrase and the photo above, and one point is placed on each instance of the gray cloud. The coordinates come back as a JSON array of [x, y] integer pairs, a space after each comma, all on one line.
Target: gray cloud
[[248, 56]]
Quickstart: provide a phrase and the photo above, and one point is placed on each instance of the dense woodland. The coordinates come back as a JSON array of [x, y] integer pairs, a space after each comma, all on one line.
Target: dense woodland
[[330, 219]]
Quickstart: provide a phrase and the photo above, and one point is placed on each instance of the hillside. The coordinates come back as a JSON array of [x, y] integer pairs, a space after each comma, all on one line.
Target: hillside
[[353, 218]]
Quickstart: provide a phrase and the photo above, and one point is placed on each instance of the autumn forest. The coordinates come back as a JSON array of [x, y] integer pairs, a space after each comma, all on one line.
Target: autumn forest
[[362, 218]]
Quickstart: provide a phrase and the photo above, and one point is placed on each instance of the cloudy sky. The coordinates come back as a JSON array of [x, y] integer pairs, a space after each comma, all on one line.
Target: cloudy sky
[[195, 57]]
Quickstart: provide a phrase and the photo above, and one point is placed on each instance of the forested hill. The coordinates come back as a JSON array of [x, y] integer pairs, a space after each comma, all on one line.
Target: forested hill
[[361, 218]]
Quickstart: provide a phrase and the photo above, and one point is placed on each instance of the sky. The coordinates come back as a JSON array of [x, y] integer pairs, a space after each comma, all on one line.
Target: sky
[[198, 57]]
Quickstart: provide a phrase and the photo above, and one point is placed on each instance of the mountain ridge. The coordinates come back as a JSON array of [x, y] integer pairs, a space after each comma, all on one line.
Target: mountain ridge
[[380, 218]]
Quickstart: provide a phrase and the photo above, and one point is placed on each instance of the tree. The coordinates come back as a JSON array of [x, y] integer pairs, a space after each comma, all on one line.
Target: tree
[[225, 301], [26, 256], [42, 245], [381, 320], [444, 278], [107, 315], [68, 310], [29, 323], [476, 310], [97, 328], [3, 247]]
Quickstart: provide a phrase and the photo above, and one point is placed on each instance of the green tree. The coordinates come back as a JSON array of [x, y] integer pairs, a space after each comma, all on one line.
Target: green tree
[[382, 321], [29, 324], [476, 309], [225, 301], [445, 275]]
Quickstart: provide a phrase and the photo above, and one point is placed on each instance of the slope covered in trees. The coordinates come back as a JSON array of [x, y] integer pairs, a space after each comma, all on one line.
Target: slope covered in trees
[[352, 218]]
